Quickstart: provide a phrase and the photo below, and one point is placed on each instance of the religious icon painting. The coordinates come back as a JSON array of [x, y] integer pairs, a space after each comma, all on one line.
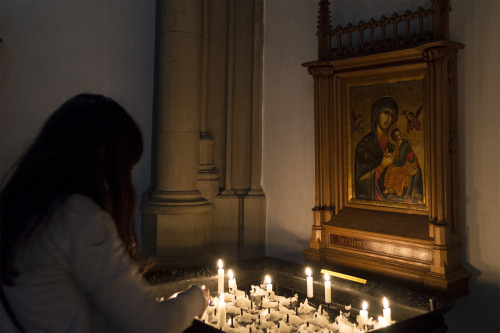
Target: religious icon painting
[[386, 145]]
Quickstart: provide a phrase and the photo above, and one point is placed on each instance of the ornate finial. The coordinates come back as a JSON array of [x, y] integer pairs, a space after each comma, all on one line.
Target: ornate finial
[[324, 17], [324, 28], [441, 15]]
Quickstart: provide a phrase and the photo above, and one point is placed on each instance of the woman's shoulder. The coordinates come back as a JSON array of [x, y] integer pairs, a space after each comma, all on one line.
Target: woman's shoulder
[[81, 207], [75, 223], [82, 216], [80, 203]]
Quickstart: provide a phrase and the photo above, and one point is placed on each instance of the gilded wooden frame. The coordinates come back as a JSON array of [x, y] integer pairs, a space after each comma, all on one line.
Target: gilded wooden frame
[[415, 241]]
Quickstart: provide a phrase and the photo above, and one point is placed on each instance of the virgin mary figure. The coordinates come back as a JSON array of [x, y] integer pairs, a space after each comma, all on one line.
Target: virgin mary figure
[[375, 153]]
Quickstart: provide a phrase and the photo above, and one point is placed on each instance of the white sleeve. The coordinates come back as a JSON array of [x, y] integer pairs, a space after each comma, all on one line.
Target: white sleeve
[[109, 278]]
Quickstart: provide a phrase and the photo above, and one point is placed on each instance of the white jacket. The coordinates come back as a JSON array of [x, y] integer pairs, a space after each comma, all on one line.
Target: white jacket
[[75, 275]]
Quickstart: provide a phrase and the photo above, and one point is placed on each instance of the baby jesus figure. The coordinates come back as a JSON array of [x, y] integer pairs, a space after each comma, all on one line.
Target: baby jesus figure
[[398, 175]]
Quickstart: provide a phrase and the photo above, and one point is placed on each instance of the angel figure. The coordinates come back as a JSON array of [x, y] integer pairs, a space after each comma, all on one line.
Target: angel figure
[[413, 122], [357, 123]]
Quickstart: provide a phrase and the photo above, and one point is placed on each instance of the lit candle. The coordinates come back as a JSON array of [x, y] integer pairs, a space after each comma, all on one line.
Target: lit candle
[[231, 283], [204, 317], [309, 283], [269, 285], [387, 311], [328, 289], [363, 315], [221, 279], [221, 314]]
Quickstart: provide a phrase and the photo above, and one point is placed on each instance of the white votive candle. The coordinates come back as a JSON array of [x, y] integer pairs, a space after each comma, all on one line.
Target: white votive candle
[[382, 321], [309, 283], [221, 279], [328, 289], [231, 283], [204, 317], [269, 285], [262, 316], [221, 312], [363, 315], [387, 311]]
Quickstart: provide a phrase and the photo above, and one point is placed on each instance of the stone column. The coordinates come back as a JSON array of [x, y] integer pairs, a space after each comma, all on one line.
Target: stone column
[[176, 218], [208, 178], [239, 229], [206, 196]]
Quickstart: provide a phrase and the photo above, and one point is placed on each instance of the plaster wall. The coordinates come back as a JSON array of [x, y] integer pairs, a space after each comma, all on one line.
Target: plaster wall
[[288, 146], [53, 50]]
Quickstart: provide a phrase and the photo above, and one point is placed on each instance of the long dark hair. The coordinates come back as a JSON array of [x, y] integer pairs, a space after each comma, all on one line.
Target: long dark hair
[[87, 146]]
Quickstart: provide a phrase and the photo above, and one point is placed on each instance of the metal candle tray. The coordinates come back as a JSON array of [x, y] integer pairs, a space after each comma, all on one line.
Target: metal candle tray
[[413, 311]]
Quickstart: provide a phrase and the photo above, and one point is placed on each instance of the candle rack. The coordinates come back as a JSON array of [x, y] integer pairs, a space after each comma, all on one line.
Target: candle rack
[[411, 310]]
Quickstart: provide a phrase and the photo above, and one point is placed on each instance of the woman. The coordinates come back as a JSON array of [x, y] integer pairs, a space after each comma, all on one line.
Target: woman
[[68, 246]]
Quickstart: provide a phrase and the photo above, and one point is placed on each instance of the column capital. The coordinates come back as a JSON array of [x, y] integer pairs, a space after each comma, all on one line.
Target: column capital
[[320, 71]]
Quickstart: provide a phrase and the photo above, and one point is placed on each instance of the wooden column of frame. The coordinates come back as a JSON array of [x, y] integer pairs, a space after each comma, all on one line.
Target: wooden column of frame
[[322, 212], [411, 241], [444, 225]]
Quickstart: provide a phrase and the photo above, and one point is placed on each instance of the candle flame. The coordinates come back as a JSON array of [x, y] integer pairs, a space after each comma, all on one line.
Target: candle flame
[[203, 287], [220, 263], [327, 277], [386, 303], [230, 274], [308, 271], [229, 321], [268, 279], [365, 305]]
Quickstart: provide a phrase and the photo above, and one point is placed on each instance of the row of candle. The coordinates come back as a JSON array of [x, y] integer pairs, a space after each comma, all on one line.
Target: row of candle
[[310, 293], [267, 280], [363, 314], [241, 302]]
